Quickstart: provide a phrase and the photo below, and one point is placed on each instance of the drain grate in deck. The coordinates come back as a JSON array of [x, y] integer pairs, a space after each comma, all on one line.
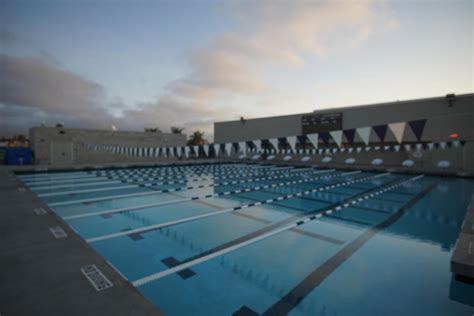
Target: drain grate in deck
[[98, 280], [58, 232]]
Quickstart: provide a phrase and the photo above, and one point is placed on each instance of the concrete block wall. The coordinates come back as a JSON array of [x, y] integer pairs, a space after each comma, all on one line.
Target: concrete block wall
[[43, 138]]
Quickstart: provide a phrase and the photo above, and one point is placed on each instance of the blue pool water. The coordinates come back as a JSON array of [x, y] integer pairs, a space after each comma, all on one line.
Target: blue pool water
[[242, 239]]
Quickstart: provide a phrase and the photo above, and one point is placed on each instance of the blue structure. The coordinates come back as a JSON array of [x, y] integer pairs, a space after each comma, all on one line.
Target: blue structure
[[19, 156]]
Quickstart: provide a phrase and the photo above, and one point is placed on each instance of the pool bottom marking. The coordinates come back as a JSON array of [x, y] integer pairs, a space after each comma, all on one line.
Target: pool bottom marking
[[194, 198], [171, 262], [271, 230], [197, 217], [153, 191], [299, 292]]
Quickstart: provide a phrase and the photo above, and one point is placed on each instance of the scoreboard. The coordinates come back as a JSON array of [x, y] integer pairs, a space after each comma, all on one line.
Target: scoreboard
[[317, 123]]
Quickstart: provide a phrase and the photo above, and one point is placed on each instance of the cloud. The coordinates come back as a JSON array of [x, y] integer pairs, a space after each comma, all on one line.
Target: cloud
[[227, 78], [274, 34], [33, 90]]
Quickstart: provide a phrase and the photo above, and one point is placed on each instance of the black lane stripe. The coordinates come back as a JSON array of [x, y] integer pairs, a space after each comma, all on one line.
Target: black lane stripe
[[300, 291], [317, 236], [277, 203], [281, 223], [387, 200], [349, 220], [370, 209], [305, 197]]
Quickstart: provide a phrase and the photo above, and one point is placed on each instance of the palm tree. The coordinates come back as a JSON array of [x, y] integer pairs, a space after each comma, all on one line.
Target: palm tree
[[177, 130], [197, 139]]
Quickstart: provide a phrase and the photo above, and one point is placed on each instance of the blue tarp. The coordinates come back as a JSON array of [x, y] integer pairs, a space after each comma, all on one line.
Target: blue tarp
[[19, 156]]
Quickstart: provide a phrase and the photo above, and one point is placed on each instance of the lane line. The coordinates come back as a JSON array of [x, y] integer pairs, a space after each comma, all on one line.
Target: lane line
[[289, 301], [186, 265], [201, 216], [90, 190], [242, 190], [150, 185]]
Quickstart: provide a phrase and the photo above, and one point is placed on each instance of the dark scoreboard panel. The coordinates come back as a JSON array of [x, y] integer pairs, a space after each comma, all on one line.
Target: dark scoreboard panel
[[317, 123]]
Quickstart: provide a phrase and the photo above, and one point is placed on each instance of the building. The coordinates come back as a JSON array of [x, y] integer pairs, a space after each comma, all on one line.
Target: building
[[59, 146], [448, 117]]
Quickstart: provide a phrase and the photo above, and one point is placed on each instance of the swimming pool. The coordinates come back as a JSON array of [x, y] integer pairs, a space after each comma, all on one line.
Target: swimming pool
[[250, 239]]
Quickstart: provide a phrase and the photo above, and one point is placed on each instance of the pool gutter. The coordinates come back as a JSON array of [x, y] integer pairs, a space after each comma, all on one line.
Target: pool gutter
[[462, 260]]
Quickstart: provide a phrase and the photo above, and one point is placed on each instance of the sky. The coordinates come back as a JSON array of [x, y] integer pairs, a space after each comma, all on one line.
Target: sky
[[136, 64]]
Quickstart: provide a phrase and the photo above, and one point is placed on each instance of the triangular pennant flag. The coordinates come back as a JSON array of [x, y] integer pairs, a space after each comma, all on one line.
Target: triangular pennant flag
[[228, 148], [430, 146], [337, 136], [398, 130], [350, 150], [335, 150], [456, 143], [216, 149], [417, 127], [418, 146], [325, 137], [186, 151], [397, 148], [349, 134], [342, 150], [178, 151], [377, 148], [386, 148], [196, 150], [381, 130], [242, 147], [442, 145], [206, 149], [258, 144], [274, 142], [407, 147], [368, 148], [292, 141], [364, 133], [320, 151], [313, 138], [359, 149]]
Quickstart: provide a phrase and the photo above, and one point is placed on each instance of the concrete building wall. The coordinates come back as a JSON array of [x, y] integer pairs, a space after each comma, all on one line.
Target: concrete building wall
[[62, 146], [442, 121]]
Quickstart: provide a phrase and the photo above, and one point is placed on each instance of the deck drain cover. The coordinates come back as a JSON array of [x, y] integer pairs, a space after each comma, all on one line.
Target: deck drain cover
[[98, 280], [58, 232], [40, 211]]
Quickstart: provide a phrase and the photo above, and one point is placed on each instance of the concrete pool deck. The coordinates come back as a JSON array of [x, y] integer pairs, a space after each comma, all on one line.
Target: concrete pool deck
[[462, 261], [40, 275]]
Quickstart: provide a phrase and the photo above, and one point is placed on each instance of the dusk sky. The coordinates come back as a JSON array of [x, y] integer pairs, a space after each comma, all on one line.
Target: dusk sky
[[137, 64]]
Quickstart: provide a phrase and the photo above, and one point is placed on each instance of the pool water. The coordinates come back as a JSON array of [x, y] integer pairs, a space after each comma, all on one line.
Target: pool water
[[249, 239]]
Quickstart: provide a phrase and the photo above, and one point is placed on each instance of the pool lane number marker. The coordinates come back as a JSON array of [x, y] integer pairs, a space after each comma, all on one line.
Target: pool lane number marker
[[159, 275], [40, 211], [58, 232]]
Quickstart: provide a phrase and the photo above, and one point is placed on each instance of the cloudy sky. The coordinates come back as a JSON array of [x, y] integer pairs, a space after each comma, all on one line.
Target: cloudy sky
[[137, 64]]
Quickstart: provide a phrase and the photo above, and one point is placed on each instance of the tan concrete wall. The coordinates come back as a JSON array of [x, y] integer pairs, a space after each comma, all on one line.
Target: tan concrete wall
[[442, 120], [42, 137]]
